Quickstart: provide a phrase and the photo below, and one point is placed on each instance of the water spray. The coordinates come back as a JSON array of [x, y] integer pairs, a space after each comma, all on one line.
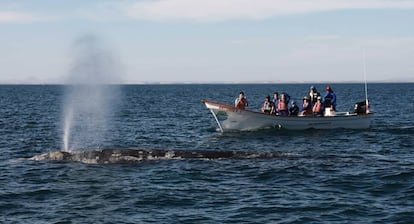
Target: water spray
[[90, 95]]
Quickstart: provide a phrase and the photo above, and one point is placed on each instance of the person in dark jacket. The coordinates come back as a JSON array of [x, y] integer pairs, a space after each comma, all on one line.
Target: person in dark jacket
[[294, 109], [314, 94], [275, 101], [329, 99]]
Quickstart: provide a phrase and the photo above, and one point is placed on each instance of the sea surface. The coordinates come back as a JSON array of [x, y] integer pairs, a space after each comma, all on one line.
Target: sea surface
[[321, 176]]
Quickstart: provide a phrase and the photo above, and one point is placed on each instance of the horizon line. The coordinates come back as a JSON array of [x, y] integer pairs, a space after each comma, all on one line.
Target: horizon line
[[209, 82]]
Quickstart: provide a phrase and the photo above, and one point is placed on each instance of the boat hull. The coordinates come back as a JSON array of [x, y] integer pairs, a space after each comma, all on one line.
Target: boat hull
[[230, 118]]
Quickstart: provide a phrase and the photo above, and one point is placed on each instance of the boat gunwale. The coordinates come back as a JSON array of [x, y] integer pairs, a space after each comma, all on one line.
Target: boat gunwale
[[227, 107]]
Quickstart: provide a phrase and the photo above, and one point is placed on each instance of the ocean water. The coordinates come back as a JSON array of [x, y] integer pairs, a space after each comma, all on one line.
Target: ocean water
[[321, 176]]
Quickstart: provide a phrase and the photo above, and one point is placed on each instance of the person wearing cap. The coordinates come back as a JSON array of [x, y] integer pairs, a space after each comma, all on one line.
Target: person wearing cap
[[329, 99], [268, 106], [313, 94], [318, 107], [241, 102], [306, 107], [294, 109]]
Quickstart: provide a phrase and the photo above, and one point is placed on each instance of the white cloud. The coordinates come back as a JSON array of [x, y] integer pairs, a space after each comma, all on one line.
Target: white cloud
[[196, 10], [103, 11], [19, 17], [221, 10]]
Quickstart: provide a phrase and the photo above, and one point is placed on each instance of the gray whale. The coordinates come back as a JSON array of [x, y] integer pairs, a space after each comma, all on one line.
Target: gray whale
[[110, 156]]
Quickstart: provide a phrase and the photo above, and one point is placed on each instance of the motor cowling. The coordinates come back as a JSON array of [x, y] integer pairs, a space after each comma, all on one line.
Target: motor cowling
[[360, 107]]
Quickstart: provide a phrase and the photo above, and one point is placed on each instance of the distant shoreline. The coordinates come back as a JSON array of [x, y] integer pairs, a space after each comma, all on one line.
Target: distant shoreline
[[215, 83]]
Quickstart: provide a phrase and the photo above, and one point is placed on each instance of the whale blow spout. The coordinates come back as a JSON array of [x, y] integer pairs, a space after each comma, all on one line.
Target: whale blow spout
[[111, 156]]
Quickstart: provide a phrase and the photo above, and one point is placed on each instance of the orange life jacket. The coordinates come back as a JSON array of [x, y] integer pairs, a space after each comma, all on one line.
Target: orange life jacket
[[281, 106], [317, 108]]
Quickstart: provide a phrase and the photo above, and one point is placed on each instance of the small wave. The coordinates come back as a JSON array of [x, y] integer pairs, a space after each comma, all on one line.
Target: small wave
[[111, 156]]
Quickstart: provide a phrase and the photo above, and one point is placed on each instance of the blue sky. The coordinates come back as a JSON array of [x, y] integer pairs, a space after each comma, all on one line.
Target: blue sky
[[211, 40]]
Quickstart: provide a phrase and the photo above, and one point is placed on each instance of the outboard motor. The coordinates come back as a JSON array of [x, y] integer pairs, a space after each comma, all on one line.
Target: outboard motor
[[360, 107]]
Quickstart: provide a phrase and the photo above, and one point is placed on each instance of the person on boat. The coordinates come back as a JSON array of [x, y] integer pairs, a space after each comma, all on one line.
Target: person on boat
[[282, 106], [306, 107], [318, 107], [241, 102], [287, 97], [294, 109], [275, 101], [329, 99], [314, 94], [268, 106]]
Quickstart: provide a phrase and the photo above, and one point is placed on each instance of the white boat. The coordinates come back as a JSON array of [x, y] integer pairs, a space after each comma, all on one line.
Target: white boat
[[229, 118]]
